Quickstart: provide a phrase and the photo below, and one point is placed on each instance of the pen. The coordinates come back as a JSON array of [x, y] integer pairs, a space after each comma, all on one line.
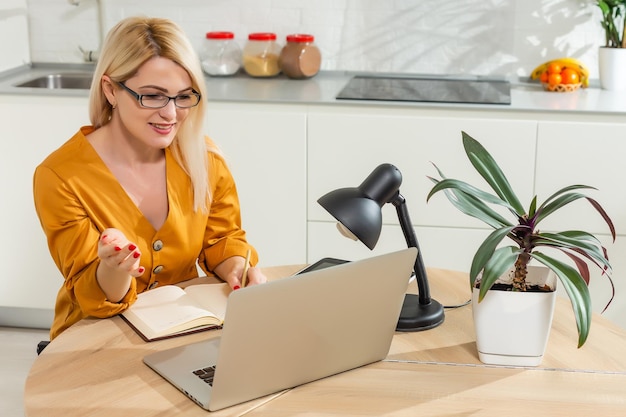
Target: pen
[[244, 276]]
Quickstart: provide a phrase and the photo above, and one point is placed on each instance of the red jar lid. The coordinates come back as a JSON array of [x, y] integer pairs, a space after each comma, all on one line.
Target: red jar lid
[[262, 36], [220, 35], [300, 38]]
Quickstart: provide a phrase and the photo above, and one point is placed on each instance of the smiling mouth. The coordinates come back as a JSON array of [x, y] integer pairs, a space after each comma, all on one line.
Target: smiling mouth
[[162, 127]]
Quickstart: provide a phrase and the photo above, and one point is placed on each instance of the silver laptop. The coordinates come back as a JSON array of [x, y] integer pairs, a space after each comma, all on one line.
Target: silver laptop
[[292, 331]]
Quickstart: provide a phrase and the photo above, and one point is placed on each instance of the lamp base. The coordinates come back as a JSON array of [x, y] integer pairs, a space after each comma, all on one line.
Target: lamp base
[[415, 317]]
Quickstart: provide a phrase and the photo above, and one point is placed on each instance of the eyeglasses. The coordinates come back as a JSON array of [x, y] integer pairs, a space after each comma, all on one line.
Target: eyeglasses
[[157, 101]]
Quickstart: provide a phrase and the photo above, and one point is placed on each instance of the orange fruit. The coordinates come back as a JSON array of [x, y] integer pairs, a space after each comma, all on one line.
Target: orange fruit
[[570, 76], [554, 68], [554, 79], [544, 77]]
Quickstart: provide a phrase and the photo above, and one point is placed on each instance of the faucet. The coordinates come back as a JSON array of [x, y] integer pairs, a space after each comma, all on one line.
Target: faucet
[[91, 55]]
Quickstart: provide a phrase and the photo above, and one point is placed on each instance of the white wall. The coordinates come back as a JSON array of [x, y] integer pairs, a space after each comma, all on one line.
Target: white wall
[[14, 49], [486, 37]]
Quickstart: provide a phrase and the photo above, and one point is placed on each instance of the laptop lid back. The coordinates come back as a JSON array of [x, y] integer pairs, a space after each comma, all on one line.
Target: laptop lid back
[[293, 331]]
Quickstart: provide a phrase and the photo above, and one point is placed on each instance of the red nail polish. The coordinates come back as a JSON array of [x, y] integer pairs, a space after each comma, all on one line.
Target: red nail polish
[[136, 255], [141, 269], [117, 248], [132, 247], [236, 287]]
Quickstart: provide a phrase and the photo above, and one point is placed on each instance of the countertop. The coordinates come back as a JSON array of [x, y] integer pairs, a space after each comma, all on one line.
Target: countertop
[[324, 87]]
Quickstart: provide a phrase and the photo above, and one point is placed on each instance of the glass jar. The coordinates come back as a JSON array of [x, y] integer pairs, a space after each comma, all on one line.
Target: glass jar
[[300, 58], [260, 55], [220, 55]]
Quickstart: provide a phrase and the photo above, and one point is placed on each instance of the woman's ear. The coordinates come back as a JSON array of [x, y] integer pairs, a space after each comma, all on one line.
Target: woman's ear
[[109, 90]]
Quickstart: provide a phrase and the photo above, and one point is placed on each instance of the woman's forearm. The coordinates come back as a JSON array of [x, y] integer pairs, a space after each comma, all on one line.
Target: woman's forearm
[[113, 282]]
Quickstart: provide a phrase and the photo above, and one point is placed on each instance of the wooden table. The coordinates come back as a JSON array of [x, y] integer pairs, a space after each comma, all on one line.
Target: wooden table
[[95, 369]]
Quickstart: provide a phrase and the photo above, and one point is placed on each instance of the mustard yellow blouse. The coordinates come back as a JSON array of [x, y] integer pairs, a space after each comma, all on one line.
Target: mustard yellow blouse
[[77, 197]]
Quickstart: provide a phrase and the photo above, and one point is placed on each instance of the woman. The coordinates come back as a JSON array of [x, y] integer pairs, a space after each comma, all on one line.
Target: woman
[[141, 196]]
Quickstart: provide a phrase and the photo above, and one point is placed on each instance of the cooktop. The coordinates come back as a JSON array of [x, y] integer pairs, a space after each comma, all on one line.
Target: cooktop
[[427, 90]]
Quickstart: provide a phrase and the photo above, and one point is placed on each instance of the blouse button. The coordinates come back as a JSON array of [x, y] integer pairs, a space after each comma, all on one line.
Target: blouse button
[[157, 269], [157, 245]]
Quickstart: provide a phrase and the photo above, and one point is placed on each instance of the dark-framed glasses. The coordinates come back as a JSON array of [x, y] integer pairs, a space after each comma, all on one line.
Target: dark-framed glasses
[[157, 101]]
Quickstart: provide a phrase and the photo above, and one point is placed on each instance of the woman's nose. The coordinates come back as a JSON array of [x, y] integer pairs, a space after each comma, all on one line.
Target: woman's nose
[[169, 111]]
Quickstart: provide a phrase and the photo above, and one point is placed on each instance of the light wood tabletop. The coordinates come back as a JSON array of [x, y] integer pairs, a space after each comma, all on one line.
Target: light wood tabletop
[[95, 369]]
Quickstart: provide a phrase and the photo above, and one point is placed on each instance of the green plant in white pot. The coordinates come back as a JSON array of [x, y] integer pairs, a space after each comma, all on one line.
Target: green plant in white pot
[[493, 260], [613, 22], [612, 56]]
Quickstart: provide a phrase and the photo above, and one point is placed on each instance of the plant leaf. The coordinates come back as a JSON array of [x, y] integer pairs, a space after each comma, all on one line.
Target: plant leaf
[[500, 262], [602, 212], [567, 189], [491, 172], [457, 186], [470, 190], [577, 291], [486, 250], [470, 205], [581, 242], [581, 265], [554, 202], [586, 245], [533, 207]]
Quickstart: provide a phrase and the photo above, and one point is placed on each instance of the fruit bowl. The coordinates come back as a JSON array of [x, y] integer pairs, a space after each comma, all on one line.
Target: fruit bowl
[[561, 88]]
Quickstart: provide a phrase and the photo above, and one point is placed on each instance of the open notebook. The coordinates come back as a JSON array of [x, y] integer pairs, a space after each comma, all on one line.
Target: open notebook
[[292, 331]]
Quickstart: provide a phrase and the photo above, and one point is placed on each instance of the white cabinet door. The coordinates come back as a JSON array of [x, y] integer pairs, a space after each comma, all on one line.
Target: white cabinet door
[[346, 145], [591, 154], [265, 146], [33, 127], [447, 248]]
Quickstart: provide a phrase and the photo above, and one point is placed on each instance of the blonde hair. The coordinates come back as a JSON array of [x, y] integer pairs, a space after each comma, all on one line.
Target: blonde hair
[[127, 46]]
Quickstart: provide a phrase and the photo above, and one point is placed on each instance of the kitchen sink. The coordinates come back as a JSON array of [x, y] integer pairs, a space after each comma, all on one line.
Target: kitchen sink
[[60, 81]]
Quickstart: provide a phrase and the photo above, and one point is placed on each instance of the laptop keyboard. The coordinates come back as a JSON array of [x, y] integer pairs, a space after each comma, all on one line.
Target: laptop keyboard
[[206, 374]]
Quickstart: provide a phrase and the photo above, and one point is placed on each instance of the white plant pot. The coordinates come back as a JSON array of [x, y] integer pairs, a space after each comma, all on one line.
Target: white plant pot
[[612, 68], [512, 328]]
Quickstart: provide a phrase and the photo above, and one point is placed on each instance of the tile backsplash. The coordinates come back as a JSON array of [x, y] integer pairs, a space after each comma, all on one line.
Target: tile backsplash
[[480, 37]]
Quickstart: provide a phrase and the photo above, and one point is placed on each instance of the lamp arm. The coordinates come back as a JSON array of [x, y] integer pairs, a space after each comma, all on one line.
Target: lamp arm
[[411, 239]]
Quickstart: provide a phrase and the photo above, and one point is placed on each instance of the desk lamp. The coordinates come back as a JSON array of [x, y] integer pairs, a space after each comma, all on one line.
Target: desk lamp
[[359, 216]]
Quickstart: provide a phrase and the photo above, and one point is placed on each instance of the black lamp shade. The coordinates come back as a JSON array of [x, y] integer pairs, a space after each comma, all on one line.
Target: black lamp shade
[[356, 212], [358, 209]]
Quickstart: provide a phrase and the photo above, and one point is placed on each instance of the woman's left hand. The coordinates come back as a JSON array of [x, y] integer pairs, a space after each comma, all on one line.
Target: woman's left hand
[[255, 276], [231, 270]]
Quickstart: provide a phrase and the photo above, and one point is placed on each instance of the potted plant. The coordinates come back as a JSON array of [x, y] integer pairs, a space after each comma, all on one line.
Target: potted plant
[[493, 259], [612, 57], [613, 22]]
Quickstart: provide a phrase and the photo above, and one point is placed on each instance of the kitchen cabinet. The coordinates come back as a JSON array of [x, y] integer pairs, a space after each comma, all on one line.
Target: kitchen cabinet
[[584, 153], [284, 156], [265, 147], [345, 146], [592, 154], [33, 127], [347, 143]]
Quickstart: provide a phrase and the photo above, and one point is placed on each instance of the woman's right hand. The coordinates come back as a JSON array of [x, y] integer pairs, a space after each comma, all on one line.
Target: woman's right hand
[[117, 253], [119, 262]]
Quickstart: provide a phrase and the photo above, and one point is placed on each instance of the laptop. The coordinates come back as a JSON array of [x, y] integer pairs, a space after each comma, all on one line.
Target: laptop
[[293, 331]]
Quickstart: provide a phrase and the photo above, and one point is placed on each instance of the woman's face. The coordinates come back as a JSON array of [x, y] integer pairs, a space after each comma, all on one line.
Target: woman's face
[[154, 128]]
